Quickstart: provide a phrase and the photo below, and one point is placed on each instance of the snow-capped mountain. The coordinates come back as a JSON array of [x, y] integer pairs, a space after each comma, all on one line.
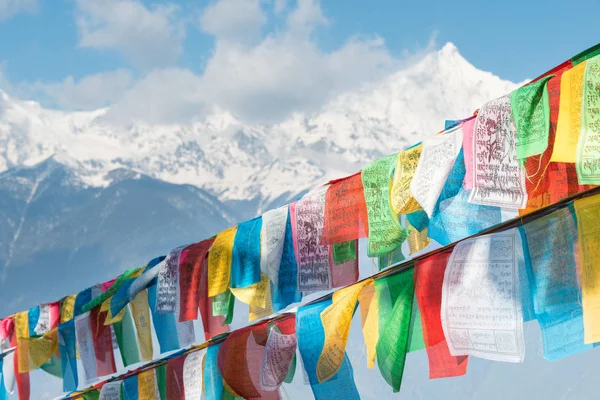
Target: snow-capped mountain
[[248, 163]]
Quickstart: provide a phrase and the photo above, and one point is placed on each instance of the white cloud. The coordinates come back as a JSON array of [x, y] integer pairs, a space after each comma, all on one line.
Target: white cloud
[[237, 20], [9, 8], [286, 72], [90, 92], [162, 96], [146, 37], [281, 73]]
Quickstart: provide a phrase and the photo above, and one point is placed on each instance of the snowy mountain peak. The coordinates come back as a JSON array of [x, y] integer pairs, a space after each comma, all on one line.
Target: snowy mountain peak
[[238, 161]]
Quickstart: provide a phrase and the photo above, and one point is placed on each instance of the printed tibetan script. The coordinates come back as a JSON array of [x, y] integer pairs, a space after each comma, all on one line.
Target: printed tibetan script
[[481, 300]]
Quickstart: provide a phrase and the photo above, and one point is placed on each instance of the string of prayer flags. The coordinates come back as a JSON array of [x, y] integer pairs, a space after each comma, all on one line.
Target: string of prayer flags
[[272, 238], [531, 113], [219, 262], [401, 199], [429, 278], [588, 213], [345, 215], [395, 296], [437, 158], [285, 291], [245, 261], [192, 374], [499, 179], [588, 150], [278, 359], [550, 247], [481, 310], [569, 115], [212, 379], [385, 231], [311, 338], [336, 321]]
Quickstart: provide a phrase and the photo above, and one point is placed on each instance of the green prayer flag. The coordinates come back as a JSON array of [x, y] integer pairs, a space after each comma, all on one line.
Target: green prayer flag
[[126, 339], [161, 381], [220, 303], [416, 341], [98, 300], [588, 151], [385, 232], [91, 395], [390, 259], [586, 55], [344, 252], [395, 294], [531, 112], [291, 372], [53, 367]]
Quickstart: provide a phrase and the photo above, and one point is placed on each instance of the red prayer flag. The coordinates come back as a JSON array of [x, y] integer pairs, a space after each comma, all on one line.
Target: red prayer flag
[[175, 388], [103, 345], [429, 277], [345, 216], [212, 325], [190, 272]]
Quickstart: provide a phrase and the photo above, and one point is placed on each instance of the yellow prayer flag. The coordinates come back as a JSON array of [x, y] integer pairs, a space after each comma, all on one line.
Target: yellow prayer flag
[[33, 352], [219, 262], [141, 318], [257, 312], [255, 294], [336, 321], [22, 324], [417, 240], [369, 314], [67, 308], [110, 319], [588, 215], [569, 115], [146, 385], [401, 199]]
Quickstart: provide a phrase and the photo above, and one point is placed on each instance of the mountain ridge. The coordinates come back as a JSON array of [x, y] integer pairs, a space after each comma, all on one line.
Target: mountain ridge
[[241, 163]]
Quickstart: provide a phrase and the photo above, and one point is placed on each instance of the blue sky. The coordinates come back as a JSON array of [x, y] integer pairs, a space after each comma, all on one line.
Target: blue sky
[[85, 54]]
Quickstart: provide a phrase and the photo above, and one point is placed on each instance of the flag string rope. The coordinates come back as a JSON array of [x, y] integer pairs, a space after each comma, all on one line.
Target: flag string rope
[[400, 267]]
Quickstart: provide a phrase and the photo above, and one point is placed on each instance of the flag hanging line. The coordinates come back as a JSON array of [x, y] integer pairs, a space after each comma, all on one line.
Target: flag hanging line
[[514, 222], [392, 270]]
